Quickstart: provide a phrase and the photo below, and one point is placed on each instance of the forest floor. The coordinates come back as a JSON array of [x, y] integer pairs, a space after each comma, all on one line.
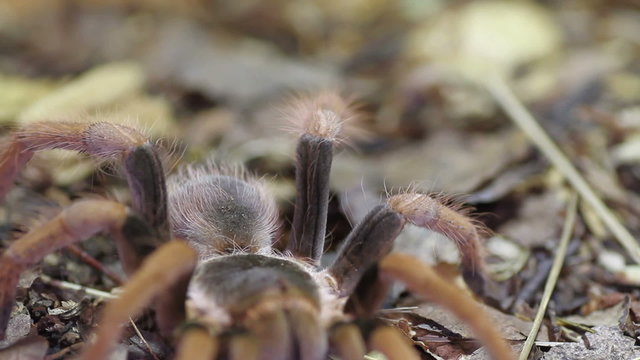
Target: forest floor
[[438, 85]]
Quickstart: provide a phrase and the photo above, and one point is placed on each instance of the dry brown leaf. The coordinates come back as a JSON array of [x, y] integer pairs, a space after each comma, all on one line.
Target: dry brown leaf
[[537, 222], [447, 161], [30, 348], [510, 326], [607, 343]]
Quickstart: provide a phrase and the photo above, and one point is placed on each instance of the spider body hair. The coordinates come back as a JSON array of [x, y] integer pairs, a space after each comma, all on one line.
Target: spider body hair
[[221, 208]]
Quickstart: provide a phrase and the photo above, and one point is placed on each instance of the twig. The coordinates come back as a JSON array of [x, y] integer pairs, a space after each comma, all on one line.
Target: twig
[[516, 111], [91, 261], [71, 286], [144, 341], [552, 343], [402, 309], [567, 231]]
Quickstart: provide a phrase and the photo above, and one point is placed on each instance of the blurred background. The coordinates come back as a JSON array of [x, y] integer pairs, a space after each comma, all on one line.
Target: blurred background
[[210, 76], [209, 72]]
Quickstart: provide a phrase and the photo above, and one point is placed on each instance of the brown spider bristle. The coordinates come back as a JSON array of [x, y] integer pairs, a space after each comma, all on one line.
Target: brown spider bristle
[[101, 139], [326, 115], [451, 220], [13, 157], [171, 151]]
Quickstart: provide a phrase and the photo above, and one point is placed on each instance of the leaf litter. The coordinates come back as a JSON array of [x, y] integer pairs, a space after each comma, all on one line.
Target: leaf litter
[[204, 73]]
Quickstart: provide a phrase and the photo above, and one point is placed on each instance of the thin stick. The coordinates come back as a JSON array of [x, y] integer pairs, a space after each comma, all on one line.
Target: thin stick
[[91, 261], [567, 231], [516, 111], [71, 286], [144, 341]]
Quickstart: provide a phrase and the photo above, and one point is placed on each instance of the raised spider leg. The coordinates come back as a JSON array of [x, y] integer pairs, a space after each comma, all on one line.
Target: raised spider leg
[[356, 270], [427, 212], [144, 171], [367, 243], [425, 282], [314, 156], [321, 119], [373, 238], [78, 222], [145, 177]]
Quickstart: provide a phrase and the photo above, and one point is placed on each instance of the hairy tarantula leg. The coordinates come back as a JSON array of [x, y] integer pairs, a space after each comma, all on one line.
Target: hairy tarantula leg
[[146, 180], [425, 282], [392, 344], [144, 171], [197, 343], [13, 160], [169, 305], [158, 271], [321, 119], [368, 242], [312, 186], [347, 342], [427, 212], [78, 222], [373, 238]]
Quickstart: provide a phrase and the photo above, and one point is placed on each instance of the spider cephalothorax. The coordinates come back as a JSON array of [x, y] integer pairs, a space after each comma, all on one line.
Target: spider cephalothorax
[[199, 249], [216, 209]]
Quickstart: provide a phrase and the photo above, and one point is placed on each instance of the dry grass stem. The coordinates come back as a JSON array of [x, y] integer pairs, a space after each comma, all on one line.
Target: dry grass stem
[[516, 111], [567, 231], [144, 341], [71, 286]]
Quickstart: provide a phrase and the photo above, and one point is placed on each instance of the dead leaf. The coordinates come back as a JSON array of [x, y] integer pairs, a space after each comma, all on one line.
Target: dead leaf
[[511, 327], [537, 222], [31, 348], [485, 37], [19, 325], [607, 343], [239, 70], [447, 161]]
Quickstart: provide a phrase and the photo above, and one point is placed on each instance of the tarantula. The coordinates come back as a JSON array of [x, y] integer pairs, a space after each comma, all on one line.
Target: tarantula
[[198, 248]]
